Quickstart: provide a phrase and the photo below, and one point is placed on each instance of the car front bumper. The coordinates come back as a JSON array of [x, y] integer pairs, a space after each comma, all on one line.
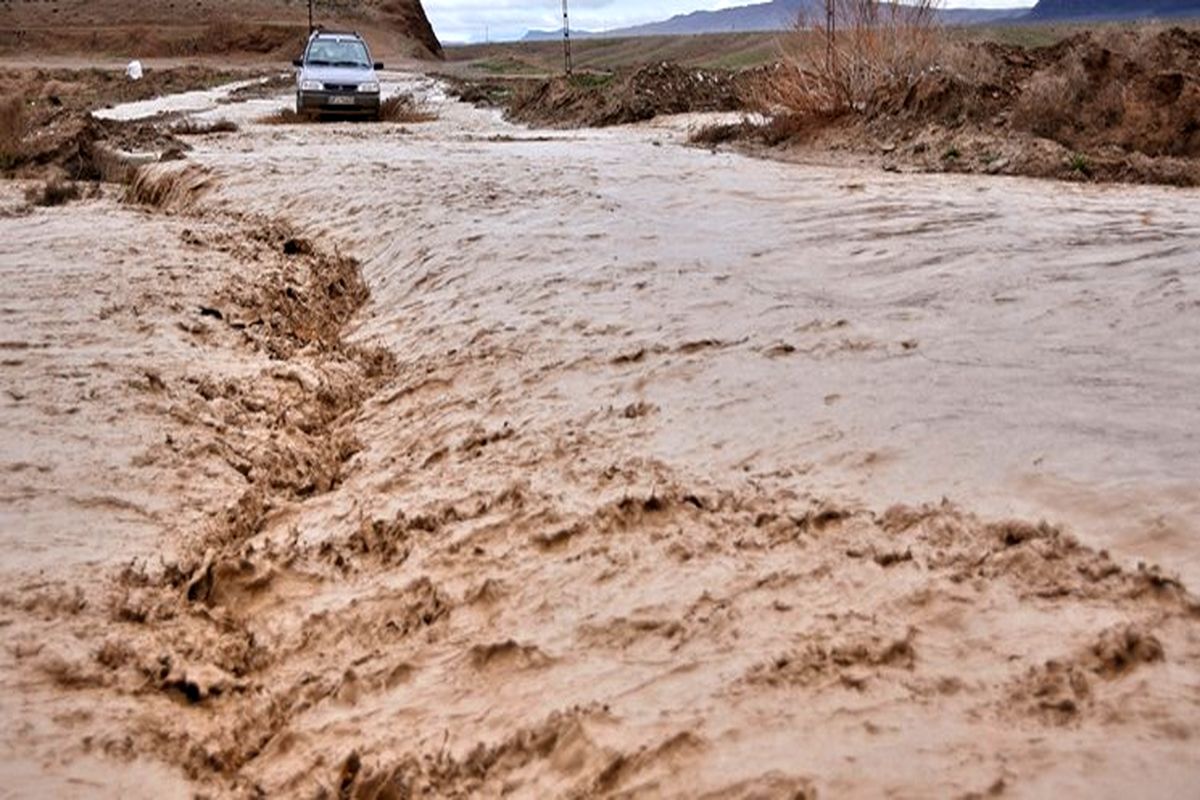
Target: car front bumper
[[338, 102]]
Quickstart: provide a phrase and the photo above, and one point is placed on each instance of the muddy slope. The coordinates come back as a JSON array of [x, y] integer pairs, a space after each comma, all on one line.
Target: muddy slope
[[145, 28], [1118, 105], [47, 129], [634, 95]]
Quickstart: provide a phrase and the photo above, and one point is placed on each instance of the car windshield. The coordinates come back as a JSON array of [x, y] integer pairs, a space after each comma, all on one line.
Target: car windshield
[[338, 54]]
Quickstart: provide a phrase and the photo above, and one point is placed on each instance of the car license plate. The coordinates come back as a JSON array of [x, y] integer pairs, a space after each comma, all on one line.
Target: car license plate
[[341, 101]]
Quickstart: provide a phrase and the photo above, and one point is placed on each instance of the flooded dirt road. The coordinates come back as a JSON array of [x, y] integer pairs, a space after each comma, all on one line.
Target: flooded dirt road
[[1020, 347], [641, 471]]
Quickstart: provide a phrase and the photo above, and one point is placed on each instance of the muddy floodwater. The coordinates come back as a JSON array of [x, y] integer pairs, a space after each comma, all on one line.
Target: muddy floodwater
[[461, 459], [1020, 347]]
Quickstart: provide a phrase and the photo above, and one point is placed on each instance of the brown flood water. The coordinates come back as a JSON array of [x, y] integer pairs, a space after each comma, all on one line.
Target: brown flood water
[[691, 476], [1020, 347]]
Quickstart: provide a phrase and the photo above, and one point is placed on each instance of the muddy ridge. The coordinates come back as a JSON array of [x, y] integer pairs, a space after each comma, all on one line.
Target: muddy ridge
[[47, 129], [175, 630]]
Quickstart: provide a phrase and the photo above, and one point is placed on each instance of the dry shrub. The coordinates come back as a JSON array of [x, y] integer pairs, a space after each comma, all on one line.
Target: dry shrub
[[1051, 103], [878, 45], [13, 128], [1131, 88], [54, 192], [718, 134], [973, 64], [1049, 100], [770, 131], [404, 108]]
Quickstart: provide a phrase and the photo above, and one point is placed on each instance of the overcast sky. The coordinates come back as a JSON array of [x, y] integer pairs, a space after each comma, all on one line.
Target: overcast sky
[[466, 20]]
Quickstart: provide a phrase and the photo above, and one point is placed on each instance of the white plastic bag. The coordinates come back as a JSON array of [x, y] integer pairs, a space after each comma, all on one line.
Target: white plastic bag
[[134, 71]]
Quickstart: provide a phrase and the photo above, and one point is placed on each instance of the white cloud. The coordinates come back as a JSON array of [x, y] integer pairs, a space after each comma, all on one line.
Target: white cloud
[[467, 20]]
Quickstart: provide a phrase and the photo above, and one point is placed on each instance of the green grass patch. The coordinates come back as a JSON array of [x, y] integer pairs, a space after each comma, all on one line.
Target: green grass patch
[[591, 80]]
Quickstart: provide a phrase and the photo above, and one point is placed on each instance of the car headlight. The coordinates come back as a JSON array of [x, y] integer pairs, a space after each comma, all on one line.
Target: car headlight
[[372, 87], [311, 86]]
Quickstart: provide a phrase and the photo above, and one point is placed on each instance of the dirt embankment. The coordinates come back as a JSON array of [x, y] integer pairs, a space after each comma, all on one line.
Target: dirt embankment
[[242, 28], [1111, 106], [603, 99], [1114, 106], [47, 128]]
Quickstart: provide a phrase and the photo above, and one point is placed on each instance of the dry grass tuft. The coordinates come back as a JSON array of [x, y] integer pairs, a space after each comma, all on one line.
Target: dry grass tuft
[[54, 192], [718, 134], [785, 127], [14, 126], [879, 45]]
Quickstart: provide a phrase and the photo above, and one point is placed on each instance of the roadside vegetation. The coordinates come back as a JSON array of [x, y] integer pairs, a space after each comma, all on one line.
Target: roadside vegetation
[[1119, 103], [54, 192], [1110, 102], [13, 124], [877, 47]]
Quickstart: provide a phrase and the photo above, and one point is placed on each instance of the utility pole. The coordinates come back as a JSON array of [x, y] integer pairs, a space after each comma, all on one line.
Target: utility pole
[[310, 17], [566, 39], [830, 32]]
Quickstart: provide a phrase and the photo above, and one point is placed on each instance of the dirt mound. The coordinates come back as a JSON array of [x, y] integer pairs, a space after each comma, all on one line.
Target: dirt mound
[[598, 100], [207, 27], [1124, 89], [48, 127], [1118, 105]]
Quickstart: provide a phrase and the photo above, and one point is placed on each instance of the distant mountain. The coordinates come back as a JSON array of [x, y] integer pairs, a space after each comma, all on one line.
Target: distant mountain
[[783, 14], [771, 16], [1047, 10], [983, 16], [556, 35]]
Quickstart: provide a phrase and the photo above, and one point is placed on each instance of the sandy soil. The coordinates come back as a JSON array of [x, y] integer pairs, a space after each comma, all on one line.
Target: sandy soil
[[677, 474]]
